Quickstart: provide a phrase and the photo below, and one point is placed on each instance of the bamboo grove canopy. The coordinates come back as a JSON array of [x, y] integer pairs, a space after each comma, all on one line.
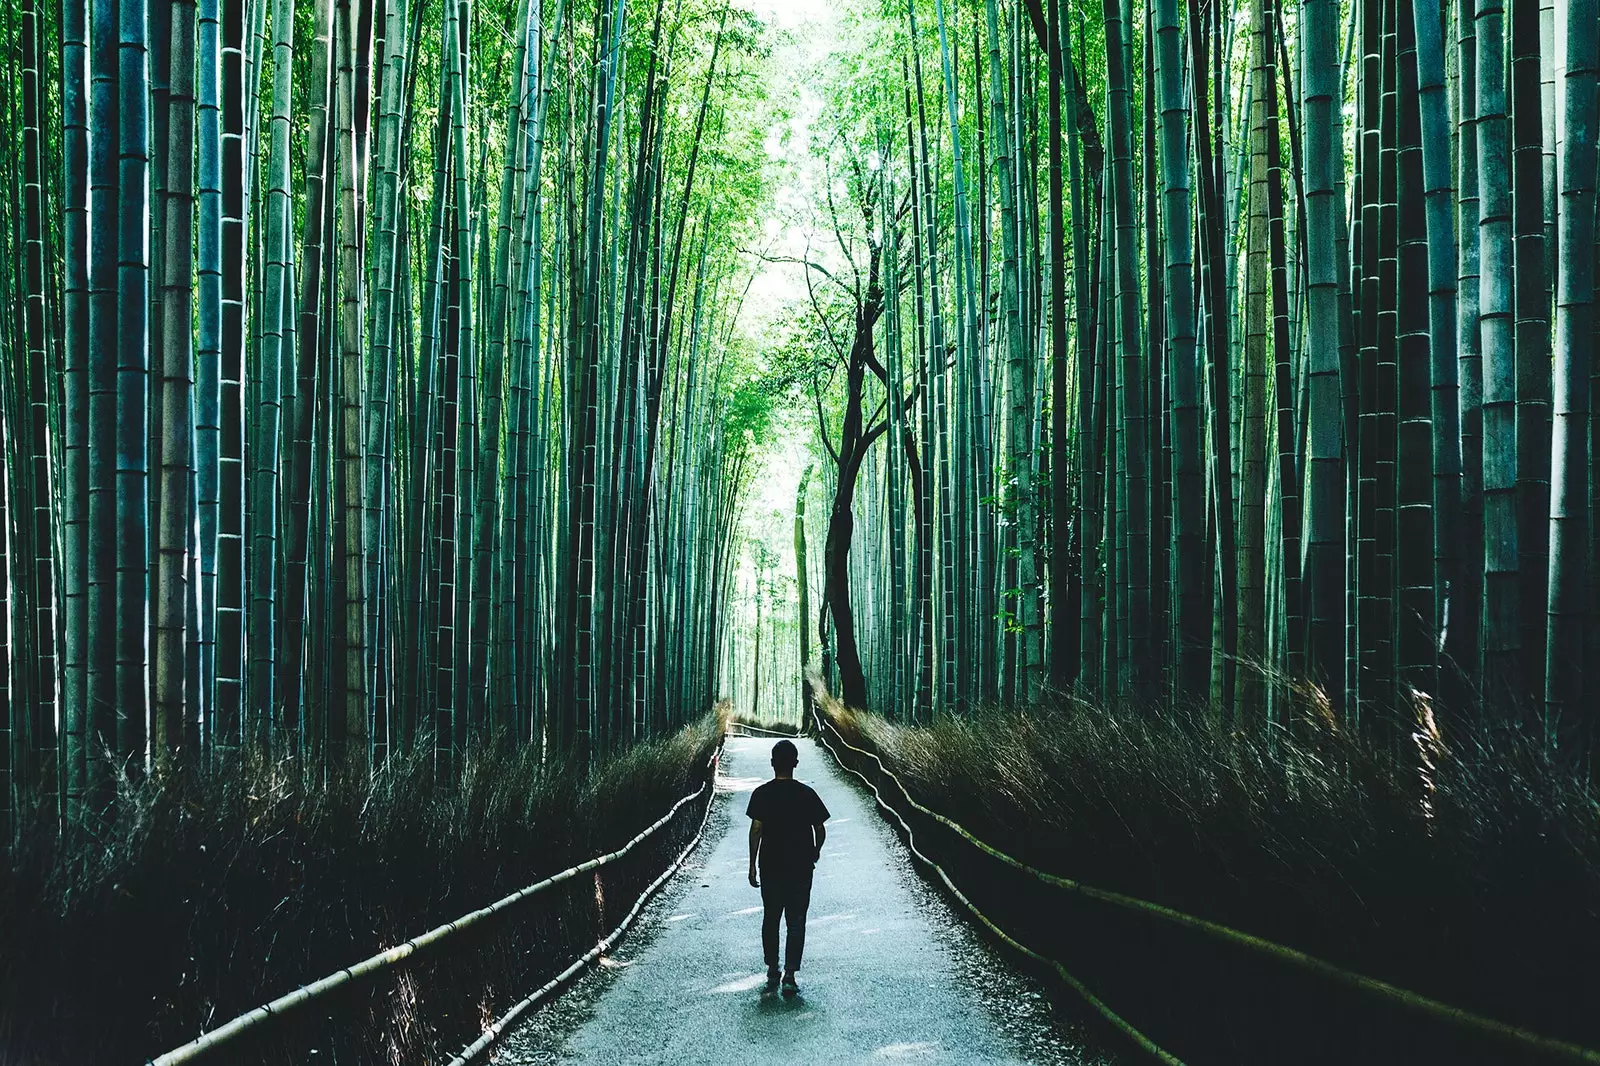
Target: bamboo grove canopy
[[373, 373], [1209, 354], [371, 378]]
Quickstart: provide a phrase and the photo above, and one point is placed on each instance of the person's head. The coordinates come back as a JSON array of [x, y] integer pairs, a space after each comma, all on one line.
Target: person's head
[[784, 758]]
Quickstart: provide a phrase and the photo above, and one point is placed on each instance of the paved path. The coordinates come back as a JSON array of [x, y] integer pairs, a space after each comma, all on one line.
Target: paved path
[[890, 973]]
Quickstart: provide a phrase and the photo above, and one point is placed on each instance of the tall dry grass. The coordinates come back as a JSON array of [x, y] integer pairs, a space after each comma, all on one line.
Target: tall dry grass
[[207, 893], [1465, 867]]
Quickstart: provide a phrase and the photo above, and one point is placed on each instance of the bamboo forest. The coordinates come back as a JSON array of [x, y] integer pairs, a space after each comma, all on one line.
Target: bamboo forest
[[1141, 448]]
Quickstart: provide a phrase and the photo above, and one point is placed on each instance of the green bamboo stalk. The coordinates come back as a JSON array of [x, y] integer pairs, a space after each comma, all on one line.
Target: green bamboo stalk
[[1132, 441], [1416, 581], [276, 349], [1442, 316], [310, 342], [171, 592], [1502, 629], [1325, 519], [1253, 443], [40, 345], [76, 717], [1467, 608], [1577, 33], [1191, 610], [1531, 341], [132, 385], [349, 725], [231, 727]]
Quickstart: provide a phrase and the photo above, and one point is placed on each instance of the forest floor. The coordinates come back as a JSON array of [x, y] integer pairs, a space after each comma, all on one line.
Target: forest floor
[[891, 972]]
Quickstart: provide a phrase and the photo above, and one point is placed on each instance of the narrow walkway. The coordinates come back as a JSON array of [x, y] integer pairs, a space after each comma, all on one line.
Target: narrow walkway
[[890, 972]]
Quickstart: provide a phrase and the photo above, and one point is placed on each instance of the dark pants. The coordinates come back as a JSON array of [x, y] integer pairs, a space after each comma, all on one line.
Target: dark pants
[[784, 893]]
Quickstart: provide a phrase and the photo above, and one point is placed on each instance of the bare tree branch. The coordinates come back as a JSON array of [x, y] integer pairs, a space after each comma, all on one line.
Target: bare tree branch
[[822, 421], [838, 232], [827, 326]]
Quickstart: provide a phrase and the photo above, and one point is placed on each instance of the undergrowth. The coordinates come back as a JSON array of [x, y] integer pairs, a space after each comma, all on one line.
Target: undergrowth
[[1466, 868], [207, 893]]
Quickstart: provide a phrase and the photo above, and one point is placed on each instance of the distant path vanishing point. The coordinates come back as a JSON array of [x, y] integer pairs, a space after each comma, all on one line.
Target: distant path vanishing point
[[891, 974]]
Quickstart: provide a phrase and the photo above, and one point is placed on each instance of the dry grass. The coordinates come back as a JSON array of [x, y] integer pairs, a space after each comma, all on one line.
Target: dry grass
[[206, 894], [1468, 869]]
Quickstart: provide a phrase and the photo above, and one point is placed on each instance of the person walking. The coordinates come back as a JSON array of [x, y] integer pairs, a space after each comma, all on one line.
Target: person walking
[[786, 835]]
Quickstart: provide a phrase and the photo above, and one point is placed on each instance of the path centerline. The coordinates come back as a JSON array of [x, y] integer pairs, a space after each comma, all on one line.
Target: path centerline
[[889, 975]]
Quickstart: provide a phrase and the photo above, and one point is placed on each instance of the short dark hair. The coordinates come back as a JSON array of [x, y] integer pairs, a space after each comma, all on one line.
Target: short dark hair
[[784, 753]]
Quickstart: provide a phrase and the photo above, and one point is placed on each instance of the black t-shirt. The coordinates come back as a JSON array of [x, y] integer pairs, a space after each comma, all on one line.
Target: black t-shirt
[[787, 810]]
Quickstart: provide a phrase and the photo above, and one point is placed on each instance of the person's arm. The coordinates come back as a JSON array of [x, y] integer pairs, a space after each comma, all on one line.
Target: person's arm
[[755, 846], [819, 814]]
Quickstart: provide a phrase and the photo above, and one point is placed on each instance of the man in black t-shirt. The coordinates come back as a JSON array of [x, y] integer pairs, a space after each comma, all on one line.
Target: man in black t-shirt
[[786, 836]]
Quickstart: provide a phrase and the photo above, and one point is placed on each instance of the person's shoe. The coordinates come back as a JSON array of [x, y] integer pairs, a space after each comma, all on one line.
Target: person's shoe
[[772, 982], [789, 986]]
